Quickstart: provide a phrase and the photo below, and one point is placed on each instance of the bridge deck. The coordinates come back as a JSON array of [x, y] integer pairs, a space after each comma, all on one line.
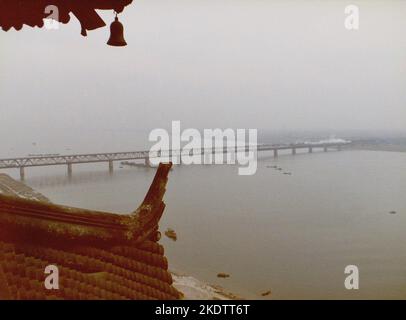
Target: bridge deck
[[51, 160]]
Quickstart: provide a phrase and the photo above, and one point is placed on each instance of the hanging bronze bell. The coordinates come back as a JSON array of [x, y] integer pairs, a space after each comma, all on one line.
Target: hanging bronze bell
[[116, 34]]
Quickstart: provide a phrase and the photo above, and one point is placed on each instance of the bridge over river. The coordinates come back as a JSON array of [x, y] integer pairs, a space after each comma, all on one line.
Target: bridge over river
[[68, 160]]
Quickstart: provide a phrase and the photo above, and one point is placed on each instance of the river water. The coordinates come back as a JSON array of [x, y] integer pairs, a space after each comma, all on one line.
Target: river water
[[291, 234]]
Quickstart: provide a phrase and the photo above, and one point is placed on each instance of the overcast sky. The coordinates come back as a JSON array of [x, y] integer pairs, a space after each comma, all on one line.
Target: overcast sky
[[210, 63]]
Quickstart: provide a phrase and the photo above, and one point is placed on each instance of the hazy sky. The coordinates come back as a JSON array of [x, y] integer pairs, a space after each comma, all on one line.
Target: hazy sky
[[210, 63]]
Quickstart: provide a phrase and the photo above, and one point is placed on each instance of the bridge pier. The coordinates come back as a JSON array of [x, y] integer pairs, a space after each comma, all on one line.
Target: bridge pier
[[293, 151], [310, 149], [22, 174], [70, 170], [176, 157], [148, 163], [111, 167], [275, 153]]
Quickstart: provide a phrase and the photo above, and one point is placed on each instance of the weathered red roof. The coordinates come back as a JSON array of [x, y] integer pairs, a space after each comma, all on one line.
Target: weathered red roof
[[99, 255], [16, 13]]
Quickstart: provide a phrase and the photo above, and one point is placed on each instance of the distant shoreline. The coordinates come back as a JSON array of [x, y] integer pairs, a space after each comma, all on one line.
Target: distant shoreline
[[383, 147]]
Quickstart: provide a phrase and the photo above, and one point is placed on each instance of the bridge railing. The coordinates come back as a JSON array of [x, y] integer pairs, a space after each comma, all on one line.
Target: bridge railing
[[36, 161]]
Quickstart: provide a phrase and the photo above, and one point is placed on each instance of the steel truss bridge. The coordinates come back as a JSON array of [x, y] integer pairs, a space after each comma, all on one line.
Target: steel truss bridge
[[69, 160]]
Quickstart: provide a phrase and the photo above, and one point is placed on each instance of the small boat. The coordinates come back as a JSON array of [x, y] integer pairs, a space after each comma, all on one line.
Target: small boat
[[223, 275], [171, 234]]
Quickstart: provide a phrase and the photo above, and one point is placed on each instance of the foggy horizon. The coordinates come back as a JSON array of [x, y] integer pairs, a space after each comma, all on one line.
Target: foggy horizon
[[279, 66]]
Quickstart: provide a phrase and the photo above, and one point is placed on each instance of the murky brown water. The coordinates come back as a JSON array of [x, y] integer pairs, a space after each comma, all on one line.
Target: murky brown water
[[292, 234]]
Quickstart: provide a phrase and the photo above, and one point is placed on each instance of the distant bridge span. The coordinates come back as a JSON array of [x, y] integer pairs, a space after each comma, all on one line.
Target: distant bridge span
[[69, 160]]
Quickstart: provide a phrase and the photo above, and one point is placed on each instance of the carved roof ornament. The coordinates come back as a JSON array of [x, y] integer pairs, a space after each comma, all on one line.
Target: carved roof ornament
[[39, 13]]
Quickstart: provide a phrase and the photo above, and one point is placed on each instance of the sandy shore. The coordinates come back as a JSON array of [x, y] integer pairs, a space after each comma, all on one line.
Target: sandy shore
[[194, 289]]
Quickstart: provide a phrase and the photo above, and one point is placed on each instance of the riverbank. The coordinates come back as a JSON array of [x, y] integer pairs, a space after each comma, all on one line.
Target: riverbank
[[194, 289], [11, 187]]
